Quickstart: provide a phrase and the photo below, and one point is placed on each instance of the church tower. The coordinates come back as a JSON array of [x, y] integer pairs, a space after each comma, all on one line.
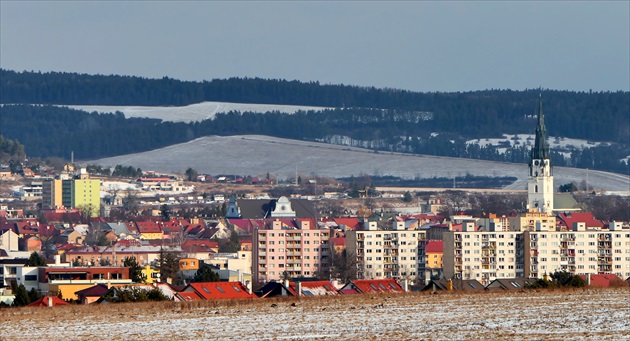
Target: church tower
[[540, 182]]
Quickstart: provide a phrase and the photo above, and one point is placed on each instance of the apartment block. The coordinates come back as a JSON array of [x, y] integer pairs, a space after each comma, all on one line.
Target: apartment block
[[73, 193], [385, 253], [484, 256], [579, 251], [283, 249]]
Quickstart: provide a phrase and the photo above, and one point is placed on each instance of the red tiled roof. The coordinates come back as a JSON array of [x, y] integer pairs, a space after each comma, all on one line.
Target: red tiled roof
[[48, 230], [188, 296], [219, 290], [351, 223], [602, 280], [337, 241], [200, 242], [314, 288], [148, 227], [567, 219], [435, 246], [52, 216], [46, 301]]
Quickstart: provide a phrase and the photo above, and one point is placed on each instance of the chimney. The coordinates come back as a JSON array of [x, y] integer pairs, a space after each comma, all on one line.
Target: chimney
[[449, 285], [588, 279], [50, 301], [57, 260], [248, 285], [298, 288], [405, 285], [286, 283]]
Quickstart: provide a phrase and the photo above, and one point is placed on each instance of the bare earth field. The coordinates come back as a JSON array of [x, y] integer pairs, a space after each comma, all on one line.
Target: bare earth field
[[256, 155], [587, 314]]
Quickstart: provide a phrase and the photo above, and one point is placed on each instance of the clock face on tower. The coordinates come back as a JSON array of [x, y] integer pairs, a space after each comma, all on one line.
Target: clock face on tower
[[536, 163]]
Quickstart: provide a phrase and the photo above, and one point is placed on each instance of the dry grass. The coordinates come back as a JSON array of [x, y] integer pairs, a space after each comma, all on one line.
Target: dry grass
[[553, 314]]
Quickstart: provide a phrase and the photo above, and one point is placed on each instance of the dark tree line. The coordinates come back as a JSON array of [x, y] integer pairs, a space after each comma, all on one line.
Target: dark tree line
[[379, 119], [55, 131], [600, 116]]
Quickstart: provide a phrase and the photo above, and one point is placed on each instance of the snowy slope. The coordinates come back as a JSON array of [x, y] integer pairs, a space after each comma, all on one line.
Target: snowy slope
[[256, 155], [193, 112]]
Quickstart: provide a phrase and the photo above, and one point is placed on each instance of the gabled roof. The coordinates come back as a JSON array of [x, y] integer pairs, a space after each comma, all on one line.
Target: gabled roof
[[366, 286], [466, 284], [148, 227], [350, 223], [47, 301], [219, 290], [510, 283], [97, 290], [314, 288], [274, 289], [187, 296], [601, 280], [119, 228], [567, 219]]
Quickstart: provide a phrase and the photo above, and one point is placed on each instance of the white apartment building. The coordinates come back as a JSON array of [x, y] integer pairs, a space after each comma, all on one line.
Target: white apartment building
[[385, 253], [579, 251], [486, 256]]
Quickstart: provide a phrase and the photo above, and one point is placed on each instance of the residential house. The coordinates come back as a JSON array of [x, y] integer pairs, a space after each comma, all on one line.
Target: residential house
[[48, 301], [457, 285], [70, 280], [372, 286], [510, 283], [9, 240], [220, 290]]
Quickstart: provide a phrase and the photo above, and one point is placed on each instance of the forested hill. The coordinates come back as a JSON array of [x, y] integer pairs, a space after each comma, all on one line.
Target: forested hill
[[599, 116]]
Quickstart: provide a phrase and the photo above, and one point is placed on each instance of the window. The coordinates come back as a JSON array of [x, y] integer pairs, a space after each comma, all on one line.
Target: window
[[220, 289], [30, 277]]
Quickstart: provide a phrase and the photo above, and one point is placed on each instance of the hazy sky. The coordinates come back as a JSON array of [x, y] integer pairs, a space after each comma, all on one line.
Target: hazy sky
[[424, 45]]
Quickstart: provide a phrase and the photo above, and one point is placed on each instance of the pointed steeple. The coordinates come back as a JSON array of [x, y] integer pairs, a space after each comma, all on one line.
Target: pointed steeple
[[541, 148]]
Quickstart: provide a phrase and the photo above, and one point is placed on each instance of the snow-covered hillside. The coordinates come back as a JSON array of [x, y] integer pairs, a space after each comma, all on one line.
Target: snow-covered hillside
[[561, 144], [194, 112], [256, 155]]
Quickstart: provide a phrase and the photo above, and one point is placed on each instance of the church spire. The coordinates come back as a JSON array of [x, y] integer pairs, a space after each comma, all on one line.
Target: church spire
[[541, 148]]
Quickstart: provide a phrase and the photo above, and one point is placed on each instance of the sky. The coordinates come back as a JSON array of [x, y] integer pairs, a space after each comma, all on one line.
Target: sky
[[414, 45]]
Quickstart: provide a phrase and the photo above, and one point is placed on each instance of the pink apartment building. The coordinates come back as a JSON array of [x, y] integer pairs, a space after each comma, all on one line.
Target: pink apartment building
[[294, 246]]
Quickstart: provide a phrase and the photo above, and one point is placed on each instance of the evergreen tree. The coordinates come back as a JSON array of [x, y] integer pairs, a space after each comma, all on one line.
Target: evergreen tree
[[36, 260], [22, 297], [135, 269], [168, 264], [33, 295], [205, 274]]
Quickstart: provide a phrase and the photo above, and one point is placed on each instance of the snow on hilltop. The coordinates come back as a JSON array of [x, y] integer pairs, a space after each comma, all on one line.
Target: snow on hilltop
[[256, 155], [194, 112]]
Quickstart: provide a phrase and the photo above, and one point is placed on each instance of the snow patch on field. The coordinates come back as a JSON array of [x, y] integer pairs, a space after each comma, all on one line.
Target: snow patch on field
[[575, 315], [256, 155], [194, 112], [514, 140]]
